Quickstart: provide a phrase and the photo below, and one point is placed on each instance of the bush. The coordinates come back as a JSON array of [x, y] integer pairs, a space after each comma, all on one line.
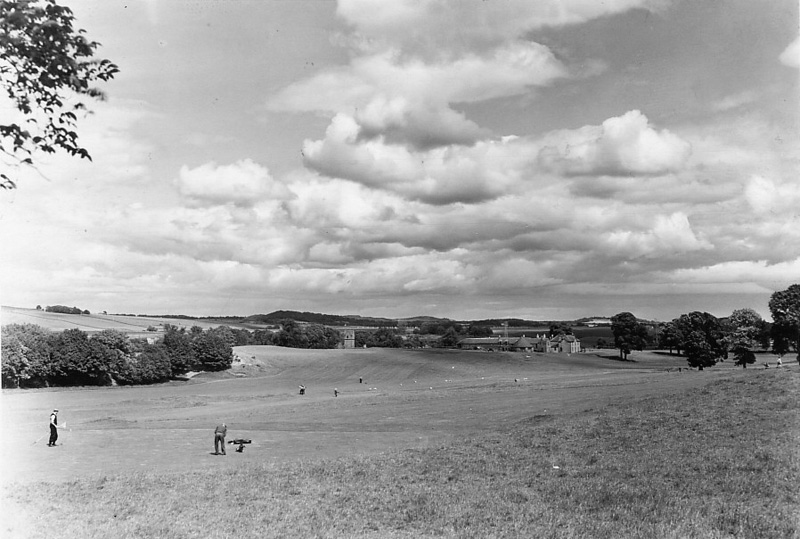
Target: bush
[[78, 361], [178, 346], [212, 351], [25, 355], [149, 366]]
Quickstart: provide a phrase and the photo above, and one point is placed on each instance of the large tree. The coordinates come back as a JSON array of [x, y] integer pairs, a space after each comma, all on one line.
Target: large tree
[[291, 335], [670, 337], [629, 333], [449, 339], [78, 361], [704, 341], [178, 347], [384, 338], [746, 328], [48, 71], [785, 308], [699, 351], [25, 355], [149, 365], [212, 351], [784, 336], [476, 330]]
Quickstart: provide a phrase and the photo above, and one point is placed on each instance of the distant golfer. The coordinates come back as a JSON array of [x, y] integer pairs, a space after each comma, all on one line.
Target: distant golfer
[[335, 392], [302, 389], [219, 438], [53, 428]]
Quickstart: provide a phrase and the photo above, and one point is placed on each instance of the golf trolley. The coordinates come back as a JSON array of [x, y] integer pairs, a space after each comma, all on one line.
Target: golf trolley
[[241, 443]]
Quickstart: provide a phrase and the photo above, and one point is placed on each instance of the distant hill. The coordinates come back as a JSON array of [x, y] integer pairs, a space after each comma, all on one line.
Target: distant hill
[[318, 318], [357, 320], [140, 323]]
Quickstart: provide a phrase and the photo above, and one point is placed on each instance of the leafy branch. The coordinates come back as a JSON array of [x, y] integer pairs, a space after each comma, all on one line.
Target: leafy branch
[[47, 70]]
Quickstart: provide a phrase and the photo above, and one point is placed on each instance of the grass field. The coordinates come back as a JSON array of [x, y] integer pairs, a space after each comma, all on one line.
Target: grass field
[[453, 444], [134, 326]]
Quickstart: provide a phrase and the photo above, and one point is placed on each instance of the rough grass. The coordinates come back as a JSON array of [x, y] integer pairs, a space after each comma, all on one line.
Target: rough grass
[[717, 462]]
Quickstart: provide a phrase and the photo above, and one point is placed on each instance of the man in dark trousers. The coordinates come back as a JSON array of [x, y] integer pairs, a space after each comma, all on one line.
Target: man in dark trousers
[[53, 428], [219, 438]]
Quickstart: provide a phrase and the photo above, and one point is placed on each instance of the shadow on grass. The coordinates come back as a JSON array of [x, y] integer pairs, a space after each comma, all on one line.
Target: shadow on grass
[[615, 357]]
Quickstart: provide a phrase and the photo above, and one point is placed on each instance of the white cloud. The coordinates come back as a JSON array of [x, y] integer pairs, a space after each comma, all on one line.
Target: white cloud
[[621, 146], [409, 99], [767, 196], [735, 101], [486, 170], [791, 54], [242, 183], [741, 273], [489, 169], [669, 235], [428, 26]]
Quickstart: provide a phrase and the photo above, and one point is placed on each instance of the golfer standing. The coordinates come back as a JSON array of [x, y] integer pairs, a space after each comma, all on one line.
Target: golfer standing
[[53, 428], [219, 438]]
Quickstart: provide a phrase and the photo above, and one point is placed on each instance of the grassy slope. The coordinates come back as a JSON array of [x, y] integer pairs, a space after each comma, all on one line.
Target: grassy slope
[[134, 325], [716, 462]]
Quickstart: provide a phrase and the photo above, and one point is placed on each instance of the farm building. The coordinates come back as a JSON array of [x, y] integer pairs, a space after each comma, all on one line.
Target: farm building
[[480, 343], [564, 343], [523, 344], [560, 343]]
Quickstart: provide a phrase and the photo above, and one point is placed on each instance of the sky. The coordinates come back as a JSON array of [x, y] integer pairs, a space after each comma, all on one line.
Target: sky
[[467, 159]]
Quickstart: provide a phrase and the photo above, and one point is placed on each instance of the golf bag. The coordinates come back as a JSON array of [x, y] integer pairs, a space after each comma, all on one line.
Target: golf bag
[[240, 442]]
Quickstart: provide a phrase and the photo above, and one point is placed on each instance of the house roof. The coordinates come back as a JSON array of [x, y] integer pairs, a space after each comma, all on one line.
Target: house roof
[[480, 340], [522, 342], [568, 338]]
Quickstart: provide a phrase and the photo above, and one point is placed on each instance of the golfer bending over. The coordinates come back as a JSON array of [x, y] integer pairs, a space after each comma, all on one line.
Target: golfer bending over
[[53, 428], [219, 438]]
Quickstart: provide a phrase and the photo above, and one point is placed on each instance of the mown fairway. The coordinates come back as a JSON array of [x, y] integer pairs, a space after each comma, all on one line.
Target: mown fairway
[[170, 427], [157, 441]]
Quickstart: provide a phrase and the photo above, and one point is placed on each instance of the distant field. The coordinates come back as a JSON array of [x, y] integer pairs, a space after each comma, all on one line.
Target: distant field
[[589, 336], [136, 326], [432, 443]]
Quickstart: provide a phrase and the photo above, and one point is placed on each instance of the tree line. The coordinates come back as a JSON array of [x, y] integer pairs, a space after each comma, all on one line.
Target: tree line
[[63, 309], [705, 339], [36, 357]]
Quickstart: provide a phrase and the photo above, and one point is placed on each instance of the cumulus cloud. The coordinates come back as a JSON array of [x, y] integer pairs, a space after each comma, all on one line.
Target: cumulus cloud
[[428, 26], [422, 127], [768, 196], [409, 100], [486, 170], [621, 146], [669, 234], [242, 183], [791, 54]]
